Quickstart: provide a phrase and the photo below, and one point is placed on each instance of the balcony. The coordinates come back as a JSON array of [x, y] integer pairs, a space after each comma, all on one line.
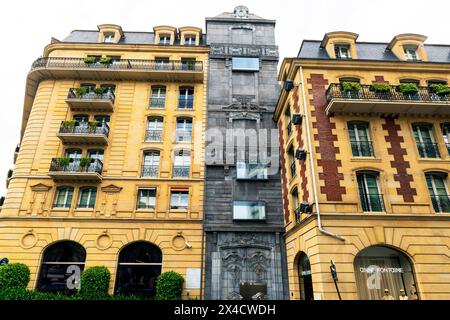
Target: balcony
[[149, 171], [90, 101], [181, 171], [153, 135], [84, 133], [120, 69], [441, 203], [391, 102], [74, 171]]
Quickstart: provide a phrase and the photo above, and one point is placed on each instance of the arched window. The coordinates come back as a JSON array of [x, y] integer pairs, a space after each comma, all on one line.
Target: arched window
[[296, 204], [384, 273], [437, 183], [154, 129], [60, 261], [425, 140], [305, 278], [369, 191], [150, 164], [183, 130], [139, 266], [445, 128], [63, 197], [86, 197], [158, 98], [181, 164], [74, 155], [360, 140]]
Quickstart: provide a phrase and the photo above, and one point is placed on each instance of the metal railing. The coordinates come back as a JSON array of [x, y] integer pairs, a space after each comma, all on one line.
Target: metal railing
[[181, 171], [372, 202], [149, 171], [153, 135], [362, 148], [441, 203], [73, 94], [85, 128], [424, 94], [185, 103], [96, 166], [428, 149], [117, 64], [183, 135], [157, 103]]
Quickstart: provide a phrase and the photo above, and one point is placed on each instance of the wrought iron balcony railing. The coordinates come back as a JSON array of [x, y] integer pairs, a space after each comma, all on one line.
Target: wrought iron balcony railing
[[372, 202], [366, 93], [181, 171], [153, 135], [362, 148], [428, 149], [85, 128], [149, 171], [183, 135], [186, 103], [441, 203], [73, 94], [96, 166], [118, 64], [157, 103]]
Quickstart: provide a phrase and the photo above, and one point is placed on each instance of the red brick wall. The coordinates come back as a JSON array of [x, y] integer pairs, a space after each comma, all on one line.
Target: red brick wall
[[399, 163], [332, 188], [284, 181]]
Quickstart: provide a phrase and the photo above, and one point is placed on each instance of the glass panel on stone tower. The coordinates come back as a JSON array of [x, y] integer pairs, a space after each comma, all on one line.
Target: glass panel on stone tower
[[245, 64], [249, 210]]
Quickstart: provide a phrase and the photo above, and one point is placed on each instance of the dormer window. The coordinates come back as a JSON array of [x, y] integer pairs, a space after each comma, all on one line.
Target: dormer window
[[109, 38], [164, 39], [411, 53], [342, 51], [189, 40]]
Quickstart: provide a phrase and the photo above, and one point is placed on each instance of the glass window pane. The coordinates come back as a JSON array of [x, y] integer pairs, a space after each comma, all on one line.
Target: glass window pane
[[245, 64], [249, 210]]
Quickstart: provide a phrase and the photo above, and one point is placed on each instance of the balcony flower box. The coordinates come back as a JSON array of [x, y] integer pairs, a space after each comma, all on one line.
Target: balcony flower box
[[409, 90], [351, 89]]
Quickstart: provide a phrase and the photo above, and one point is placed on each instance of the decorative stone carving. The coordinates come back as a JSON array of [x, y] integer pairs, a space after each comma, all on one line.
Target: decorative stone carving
[[104, 241], [38, 201], [109, 200], [178, 241], [28, 239], [222, 50]]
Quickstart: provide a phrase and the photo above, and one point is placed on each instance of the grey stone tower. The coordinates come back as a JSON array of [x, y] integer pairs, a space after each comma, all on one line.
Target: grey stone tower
[[245, 255]]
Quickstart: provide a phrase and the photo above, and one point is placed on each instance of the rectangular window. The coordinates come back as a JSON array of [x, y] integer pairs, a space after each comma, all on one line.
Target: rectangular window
[[181, 164], [251, 171], [360, 140], [187, 64], [411, 53], [245, 64], [108, 38], [63, 198], [342, 51], [162, 63], [150, 165], [369, 192], [426, 144], [146, 198], [189, 40], [249, 210], [291, 155], [164, 39], [446, 135], [87, 198], [186, 98], [288, 121], [438, 191], [179, 199], [158, 99]]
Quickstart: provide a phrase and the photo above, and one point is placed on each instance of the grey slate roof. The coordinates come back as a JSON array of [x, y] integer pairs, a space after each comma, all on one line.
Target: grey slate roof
[[91, 36], [310, 49]]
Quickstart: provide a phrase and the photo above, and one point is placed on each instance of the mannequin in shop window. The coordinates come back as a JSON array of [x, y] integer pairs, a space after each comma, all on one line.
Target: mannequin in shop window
[[387, 295], [402, 295]]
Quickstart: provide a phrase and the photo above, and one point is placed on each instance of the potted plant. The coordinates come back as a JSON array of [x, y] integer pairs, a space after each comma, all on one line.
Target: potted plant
[[93, 126], [381, 90], [90, 60], [63, 162], [81, 91], [105, 60], [99, 90], [409, 90], [441, 90], [84, 162], [351, 89], [68, 124]]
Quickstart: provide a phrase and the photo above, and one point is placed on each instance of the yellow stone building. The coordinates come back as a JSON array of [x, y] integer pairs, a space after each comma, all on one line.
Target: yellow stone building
[[110, 168], [365, 141]]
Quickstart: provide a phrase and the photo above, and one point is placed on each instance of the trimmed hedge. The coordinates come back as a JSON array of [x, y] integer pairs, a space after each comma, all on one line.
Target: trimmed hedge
[[169, 286], [14, 276], [95, 283]]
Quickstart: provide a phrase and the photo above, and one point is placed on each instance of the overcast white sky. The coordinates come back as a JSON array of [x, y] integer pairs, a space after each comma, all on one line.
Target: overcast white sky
[[27, 26]]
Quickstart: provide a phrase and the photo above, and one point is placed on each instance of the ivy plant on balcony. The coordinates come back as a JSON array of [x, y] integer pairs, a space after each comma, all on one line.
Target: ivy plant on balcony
[[349, 86], [105, 60], [81, 91], [380, 88], [63, 162], [90, 60], [440, 89], [408, 88], [84, 162], [68, 124]]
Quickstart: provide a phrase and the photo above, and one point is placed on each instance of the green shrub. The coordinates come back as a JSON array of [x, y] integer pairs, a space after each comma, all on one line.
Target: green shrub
[[62, 162], [90, 60], [105, 60], [84, 162], [81, 90], [349, 86], [169, 286], [95, 283], [93, 125], [68, 124], [408, 88], [440, 89], [14, 276], [380, 87], [99, 90]]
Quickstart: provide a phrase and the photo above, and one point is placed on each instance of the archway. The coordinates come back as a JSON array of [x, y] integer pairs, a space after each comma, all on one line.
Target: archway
[[305, 277], [383, 272], [138, 268], [60, 261]]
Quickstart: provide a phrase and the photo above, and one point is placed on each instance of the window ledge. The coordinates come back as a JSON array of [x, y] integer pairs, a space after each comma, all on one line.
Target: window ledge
[[146, 210], [362, 159], [84, 209], [433, 160]]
